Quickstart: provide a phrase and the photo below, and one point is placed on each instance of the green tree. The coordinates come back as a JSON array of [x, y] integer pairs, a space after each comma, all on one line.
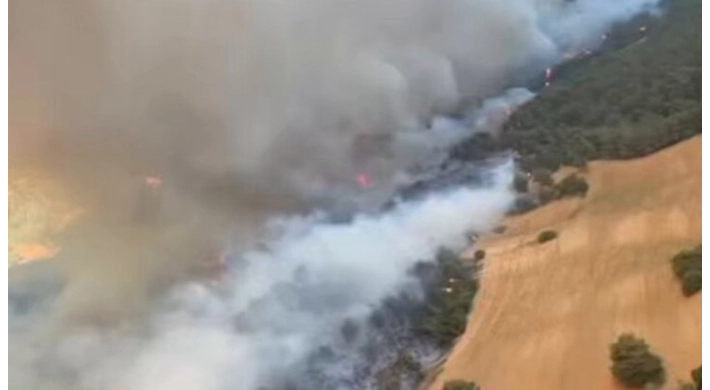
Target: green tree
[[633, 364], [546, 235], [697, 375], [461, 385], [572, 185], [688, 266]]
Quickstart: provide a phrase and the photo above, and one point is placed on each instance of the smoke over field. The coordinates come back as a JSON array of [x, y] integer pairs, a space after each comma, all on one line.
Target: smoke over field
[[248, 112]]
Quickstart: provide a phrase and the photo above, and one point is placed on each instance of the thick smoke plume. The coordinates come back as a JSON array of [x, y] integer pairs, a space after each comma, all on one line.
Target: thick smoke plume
[[249, 110], [249, 107], [267, 96], [280, 304]]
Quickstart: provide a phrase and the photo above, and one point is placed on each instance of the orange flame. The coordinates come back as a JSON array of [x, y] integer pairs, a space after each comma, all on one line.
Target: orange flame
[[33, 252]]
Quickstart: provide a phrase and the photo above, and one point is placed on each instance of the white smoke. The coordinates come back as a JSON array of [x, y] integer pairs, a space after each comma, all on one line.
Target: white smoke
[[280, 304], [576, 26], [268, 95]]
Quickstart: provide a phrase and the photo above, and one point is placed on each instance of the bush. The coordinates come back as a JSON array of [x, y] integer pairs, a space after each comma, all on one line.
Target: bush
[[479, 255], [687, 260], [697, 377], [461, 385], [687, 266], [546, 235], [572, 185], [692, 282], [633, 364]]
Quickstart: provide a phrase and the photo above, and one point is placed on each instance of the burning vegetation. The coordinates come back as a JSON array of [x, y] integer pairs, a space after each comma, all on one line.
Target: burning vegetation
[[39, 208], [638, 93]]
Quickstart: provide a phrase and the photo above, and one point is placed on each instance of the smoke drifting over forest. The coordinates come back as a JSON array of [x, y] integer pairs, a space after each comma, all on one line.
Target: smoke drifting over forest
[[250, 110]]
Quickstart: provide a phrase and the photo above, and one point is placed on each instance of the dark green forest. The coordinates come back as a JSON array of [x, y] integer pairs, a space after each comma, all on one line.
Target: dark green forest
[[638, 93]]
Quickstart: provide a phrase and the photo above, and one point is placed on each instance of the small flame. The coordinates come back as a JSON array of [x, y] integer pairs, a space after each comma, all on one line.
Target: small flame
[[36, 252], [154, 181], [364, 180]]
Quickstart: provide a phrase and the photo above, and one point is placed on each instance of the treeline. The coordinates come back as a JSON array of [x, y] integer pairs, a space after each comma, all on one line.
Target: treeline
[[641, 92]]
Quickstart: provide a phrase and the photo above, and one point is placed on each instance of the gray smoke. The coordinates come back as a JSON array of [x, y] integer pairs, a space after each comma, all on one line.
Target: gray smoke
[[279, 305], [268, 95], [248, 110]]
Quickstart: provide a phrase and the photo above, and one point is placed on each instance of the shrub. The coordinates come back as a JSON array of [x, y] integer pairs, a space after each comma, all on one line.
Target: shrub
[[546, 235], [687, 266], [572, 185], [479, 255], [500, 229], [697, 377], [687, 260], [461, 385], [633, 364], [692, 282]]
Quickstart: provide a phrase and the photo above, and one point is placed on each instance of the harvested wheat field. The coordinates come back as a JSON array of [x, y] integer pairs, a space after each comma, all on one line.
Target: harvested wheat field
[[546, 313]]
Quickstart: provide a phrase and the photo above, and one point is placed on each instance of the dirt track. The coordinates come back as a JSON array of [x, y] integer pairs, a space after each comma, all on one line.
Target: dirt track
[[546, 313]]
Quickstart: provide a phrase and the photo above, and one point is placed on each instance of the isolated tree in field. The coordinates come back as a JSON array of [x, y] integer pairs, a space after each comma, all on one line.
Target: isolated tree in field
[[687, 266], [633, 364], [697, 375], [546, 235], [461, 385], [692, 282]]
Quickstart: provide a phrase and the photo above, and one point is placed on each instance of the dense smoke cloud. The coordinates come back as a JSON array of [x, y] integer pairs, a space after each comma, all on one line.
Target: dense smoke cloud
[[250, 109], [279, 305], [268, 95]]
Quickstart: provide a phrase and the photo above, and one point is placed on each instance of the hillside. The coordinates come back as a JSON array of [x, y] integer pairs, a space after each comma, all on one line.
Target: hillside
[[639, 93], [546, 313]]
